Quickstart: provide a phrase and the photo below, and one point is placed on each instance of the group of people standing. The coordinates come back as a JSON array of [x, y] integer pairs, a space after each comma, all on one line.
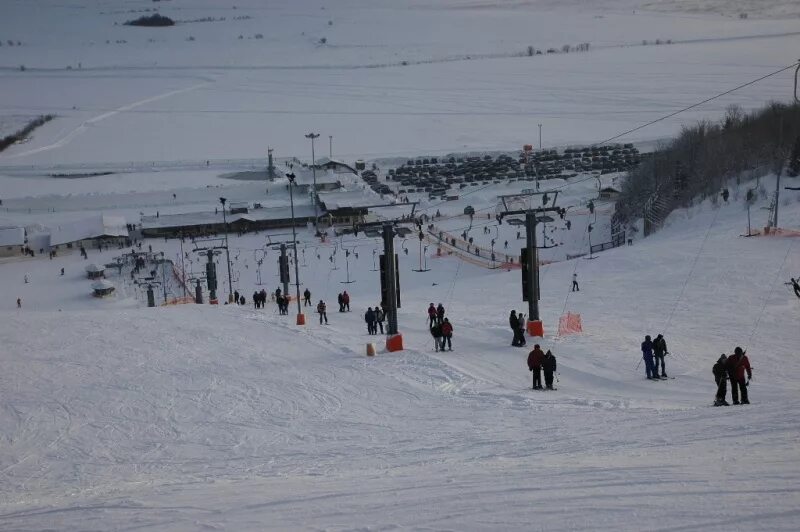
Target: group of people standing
[[259, 298], [517, 324], [538, 361], [440, 327], [344, 301], [733, 368], [653, 353], [374, 318]]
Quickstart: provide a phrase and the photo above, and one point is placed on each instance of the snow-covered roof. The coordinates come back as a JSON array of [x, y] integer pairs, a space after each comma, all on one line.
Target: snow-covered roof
[[324, 161], [12, 236], [94, 268], [349, 199], [303, 210], [94, 227], [305, 176], [102, 285]]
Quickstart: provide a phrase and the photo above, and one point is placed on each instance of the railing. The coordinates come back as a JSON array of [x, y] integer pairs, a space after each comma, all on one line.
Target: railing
[[616, 241]]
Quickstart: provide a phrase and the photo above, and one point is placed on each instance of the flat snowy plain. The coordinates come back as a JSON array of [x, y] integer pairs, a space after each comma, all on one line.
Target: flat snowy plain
[[114, 416]]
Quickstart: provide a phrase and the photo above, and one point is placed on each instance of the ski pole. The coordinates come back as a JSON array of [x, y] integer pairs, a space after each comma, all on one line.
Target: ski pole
[[639, 364]]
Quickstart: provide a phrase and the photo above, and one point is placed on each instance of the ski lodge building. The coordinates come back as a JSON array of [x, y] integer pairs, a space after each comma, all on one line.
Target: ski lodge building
[[12, 241], [90, 232]]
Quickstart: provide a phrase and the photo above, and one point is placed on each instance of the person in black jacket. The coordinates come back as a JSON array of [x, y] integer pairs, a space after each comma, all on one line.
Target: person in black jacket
[[721, 378], [659, 350], [369, 317], [549, 367], [513, 322], [436, 332]]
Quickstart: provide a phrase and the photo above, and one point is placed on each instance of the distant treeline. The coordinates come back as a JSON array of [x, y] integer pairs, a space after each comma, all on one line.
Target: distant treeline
[[154, 20], [705, 158], [23, 133]]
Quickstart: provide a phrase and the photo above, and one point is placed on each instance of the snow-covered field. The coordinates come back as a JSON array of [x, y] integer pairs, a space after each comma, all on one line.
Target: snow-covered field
[[115, 416]]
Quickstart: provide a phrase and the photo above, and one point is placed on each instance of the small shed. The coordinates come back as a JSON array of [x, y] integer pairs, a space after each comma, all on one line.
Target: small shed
[[609, 193], [94, 271], [102, 288]]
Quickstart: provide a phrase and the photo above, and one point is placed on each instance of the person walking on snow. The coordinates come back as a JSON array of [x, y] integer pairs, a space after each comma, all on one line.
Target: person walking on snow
[[447, 334], [440, 313], [369, 317], [737, 365], [575, 287], [307, 298], [535, 359], [346, 300], [322, 313], [340, 299], [436, 332], [521, 329], [721, 378], [659, 351], [19, 302], [380, 315], [431, 315], [647, 355], [549, 367]]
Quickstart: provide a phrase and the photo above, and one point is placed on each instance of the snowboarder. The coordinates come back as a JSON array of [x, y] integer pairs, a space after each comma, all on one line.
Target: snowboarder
[[431, 315], [721, 378], [659, 351], [440, 314], [549, 367], [575, 287], [380, 316], [447, 334], [436, 332], [737, 364], [647, 355], [322, 313], [369, 317], [535, 359], [346, 300], [307, 298]]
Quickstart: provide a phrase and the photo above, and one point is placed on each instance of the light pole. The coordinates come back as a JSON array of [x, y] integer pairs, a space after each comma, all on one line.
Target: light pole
[[227, 251], [540, 137], [313, 136], [330, 147], [301, 319]]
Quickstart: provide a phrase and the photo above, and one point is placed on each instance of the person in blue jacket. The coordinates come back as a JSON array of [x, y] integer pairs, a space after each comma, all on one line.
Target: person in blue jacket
[[647, 355]]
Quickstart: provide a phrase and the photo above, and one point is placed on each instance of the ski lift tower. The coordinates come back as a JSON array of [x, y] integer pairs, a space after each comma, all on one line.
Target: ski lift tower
[[389, 272], [536, 207]]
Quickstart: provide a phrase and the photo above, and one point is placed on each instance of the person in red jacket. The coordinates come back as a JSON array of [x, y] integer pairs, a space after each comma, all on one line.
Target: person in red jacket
[[447, 334], [535, 359], [431, 315], [738, 364]]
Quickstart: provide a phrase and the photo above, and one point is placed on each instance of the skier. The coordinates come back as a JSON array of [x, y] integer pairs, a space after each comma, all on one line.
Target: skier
[[575, 287], [549, 367], [322, 313], [436, 332], [647, 355], [737, 364], [340, 299], [535, 359], [659, 351], [26, 278], [19, 302], [447, 334], [255, 300], [62, 272], [431, 315], [796, 286], [236, 296], [440, 313], [380, 315], [369, 317], [307, 298], [346, 300], [721, 378]]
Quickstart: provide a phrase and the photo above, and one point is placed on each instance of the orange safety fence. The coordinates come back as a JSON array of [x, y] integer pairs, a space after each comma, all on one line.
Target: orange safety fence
[[772, 231], [179, 301], [569, 323]]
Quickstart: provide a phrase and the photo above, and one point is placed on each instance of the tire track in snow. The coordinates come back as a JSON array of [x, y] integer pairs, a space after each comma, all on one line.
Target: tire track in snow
[[69, 137]]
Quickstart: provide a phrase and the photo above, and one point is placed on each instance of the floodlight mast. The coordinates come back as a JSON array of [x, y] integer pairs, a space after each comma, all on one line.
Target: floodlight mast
[[533, 216]]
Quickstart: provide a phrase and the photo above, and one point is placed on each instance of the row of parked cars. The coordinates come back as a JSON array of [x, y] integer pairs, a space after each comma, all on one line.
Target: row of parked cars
[[436, 175], [371, 178]]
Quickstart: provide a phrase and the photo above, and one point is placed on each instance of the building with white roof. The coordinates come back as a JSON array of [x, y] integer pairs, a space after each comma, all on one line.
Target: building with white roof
[[94, 231], [12, 241]]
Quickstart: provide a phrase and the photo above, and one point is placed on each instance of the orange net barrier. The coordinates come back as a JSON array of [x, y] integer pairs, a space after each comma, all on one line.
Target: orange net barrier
[[569, 323]]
